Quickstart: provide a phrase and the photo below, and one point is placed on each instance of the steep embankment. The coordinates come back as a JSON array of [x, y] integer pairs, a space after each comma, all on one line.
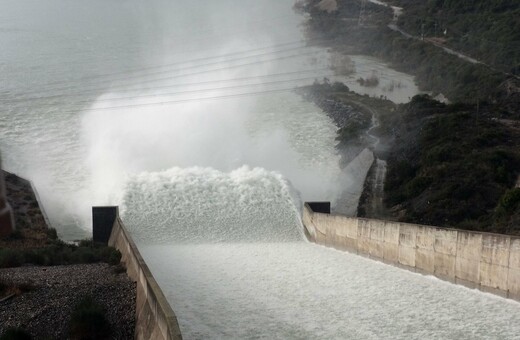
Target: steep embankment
[[455, 165], [31, 227], [363, 122]]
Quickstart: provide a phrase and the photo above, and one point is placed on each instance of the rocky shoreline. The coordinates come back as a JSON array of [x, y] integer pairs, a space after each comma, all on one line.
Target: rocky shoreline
[[342, 114], [45, 309], [338, 111]]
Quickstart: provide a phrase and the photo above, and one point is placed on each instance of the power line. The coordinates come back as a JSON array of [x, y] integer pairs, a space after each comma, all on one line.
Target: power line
[[185, 100], [99, 77], [189, 74], [199, 90], [77, 94], [130, 77], [125, 86], [176, 101], [96, 90], [178, 63]]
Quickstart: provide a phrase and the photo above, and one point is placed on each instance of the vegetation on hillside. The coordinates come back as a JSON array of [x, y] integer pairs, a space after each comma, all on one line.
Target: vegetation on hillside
[[454, 165], [33, 242], [435, 70], [488, 30], [58, 252], [89, 321], [449, 165]]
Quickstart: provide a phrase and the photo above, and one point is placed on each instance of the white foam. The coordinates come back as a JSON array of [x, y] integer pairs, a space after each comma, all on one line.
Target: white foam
[[304, 291], [195, 205]]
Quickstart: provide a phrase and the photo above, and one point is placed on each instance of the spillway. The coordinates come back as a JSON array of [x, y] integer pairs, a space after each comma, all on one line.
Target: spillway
[[246, 272], [182, 113], [305, 291], [201, 205]]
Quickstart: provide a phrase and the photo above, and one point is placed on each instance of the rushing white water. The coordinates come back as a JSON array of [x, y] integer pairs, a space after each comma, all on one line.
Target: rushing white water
[[200, 205], [305, 291]]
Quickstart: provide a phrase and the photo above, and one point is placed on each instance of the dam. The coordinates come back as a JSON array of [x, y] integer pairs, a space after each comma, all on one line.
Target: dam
[[188, 121], [263, 279]]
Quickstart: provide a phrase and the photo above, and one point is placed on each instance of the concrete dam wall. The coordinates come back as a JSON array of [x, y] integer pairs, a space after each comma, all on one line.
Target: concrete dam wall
[[155, 318], [489, 262]]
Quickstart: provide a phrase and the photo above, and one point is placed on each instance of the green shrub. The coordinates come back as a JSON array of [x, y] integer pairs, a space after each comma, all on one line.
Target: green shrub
[[52, 234], [510, 201], [417, 185], [59, 253], [88, 321], [88, 243], [11, 258], [84, 255], [110, 255]]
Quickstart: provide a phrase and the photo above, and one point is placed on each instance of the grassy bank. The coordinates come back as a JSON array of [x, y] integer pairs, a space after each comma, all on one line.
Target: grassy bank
[[58, 252]]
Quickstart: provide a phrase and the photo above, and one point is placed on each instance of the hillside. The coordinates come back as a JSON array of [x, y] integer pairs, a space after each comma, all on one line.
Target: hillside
[[486, 30], [450, 165], [454, 165]]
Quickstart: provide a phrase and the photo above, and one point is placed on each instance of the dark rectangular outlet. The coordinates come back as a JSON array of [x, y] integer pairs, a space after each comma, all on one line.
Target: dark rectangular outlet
[[103, 219], [320, 207]]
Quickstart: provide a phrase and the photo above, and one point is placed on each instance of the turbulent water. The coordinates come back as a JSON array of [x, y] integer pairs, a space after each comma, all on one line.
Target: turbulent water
[[182, 112], [305, 291], [200, 205]]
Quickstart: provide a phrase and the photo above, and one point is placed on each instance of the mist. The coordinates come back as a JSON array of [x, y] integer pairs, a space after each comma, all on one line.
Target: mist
[[170, 85]]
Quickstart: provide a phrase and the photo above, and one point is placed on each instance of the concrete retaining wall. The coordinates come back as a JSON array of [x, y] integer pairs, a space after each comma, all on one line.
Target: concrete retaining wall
[[155, 318], [489, 262]]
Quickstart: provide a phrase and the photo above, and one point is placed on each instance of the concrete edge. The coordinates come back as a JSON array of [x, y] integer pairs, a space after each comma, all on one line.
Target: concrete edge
[[325, 240], [164, 308], [419, 225]]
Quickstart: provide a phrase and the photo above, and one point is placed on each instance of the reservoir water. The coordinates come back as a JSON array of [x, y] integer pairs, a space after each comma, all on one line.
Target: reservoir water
[[94, 93], [182, 113], [187, 84]]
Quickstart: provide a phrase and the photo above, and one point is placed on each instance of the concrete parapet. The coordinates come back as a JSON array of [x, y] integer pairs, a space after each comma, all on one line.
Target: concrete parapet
[[155, 318], [445, 248], [467, 266], [424, 253], [494, 262], [407, 245], [513, 278], [363, 236], [391, 242], [490, 262]]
